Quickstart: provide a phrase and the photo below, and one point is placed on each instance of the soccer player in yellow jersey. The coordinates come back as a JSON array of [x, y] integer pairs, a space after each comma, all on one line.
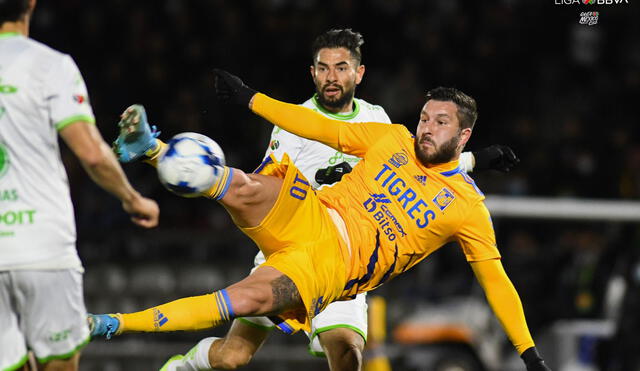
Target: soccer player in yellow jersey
[[404, 200]]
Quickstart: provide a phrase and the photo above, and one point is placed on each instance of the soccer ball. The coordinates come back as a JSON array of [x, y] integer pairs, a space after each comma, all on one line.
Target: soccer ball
[[191, 164]]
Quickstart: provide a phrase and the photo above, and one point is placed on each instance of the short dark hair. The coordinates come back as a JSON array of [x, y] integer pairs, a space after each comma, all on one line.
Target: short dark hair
[[339, 38], [467, 107], [13, 10]]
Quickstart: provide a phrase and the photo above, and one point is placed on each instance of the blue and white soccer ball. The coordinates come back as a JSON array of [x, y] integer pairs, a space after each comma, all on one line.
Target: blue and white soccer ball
[[191, 164]]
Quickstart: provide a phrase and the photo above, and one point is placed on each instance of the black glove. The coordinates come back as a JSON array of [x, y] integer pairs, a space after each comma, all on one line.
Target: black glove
[[497, 157], [533, 361], [333, 173], [230, 89]]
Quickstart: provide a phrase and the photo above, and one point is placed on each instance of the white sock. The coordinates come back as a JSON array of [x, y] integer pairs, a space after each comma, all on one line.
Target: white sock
[[196, 359], [201, 354]]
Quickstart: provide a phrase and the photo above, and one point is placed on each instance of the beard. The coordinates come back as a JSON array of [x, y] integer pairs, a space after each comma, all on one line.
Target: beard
[[335, 102], [444, 152]]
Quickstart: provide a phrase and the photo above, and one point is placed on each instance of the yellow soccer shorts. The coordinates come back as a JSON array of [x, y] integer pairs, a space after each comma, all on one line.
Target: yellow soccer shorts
[[299, 238]]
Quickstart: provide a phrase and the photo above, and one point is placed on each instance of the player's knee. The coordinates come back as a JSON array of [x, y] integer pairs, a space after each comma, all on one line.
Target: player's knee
[[234, 361], [231, 358]]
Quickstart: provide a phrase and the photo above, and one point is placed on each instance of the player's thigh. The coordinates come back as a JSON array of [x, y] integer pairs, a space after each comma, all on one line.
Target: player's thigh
[[250, 197], [342, 323], [53, 313], [69, 364], [12, 341]]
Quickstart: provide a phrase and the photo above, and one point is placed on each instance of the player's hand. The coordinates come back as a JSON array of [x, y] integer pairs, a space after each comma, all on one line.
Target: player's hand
[[497, 157], [533, 361], [230, 89], [143, 211], [333, 173]]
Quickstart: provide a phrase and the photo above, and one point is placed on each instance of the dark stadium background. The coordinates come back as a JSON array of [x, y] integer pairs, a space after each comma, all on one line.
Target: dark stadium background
[[563, 95]]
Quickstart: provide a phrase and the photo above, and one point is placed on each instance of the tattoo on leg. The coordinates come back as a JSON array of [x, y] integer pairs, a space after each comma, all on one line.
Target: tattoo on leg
[[285, 293]]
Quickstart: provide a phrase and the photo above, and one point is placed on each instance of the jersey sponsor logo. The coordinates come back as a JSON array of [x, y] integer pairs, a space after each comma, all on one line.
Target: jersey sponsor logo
[[422, 179], [296, 191], [383, 216], [416, 208], [443, 198], [274, 144], [59, 336], [159, 319], [398, 159], [4, 160], [8, 195], [17, 217]]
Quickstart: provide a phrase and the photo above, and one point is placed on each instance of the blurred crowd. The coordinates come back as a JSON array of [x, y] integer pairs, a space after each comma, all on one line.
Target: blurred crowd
[[560, 93]]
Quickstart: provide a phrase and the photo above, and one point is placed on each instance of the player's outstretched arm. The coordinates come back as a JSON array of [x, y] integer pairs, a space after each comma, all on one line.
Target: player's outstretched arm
[[506, 305], [100, 163]]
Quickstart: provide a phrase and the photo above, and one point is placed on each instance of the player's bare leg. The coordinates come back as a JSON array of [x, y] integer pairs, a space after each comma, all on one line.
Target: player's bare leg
[[238, 347], [70, 364], [233, 351], [343, 348]]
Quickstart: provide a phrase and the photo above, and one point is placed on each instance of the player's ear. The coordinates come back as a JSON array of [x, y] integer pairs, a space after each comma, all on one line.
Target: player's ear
[[465, 134], [359, 73], [312, 69]]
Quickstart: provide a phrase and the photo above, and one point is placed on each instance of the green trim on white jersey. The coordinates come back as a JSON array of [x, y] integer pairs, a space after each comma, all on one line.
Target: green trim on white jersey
[[70, 120], [337, 116], [18, 364], [65, 355]]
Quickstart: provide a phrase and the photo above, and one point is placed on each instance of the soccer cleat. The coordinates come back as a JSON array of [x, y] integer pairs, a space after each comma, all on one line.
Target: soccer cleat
[[136, 136], [103, 325], [172, 363]]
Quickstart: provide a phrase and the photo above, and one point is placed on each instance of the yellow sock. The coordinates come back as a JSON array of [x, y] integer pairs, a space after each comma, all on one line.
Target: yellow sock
[[154, 153], [219, 189], [186, 314]]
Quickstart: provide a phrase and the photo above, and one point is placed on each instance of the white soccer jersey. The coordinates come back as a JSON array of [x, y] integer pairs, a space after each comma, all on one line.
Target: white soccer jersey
[[309, 155], [41, 91]]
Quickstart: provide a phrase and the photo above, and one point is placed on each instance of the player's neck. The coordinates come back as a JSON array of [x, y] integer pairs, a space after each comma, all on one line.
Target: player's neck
[[347, 108], [20, 27]]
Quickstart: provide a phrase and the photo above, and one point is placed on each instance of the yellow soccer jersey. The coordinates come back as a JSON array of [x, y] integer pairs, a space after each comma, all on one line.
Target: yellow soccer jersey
[[397, 211], [405, 211]]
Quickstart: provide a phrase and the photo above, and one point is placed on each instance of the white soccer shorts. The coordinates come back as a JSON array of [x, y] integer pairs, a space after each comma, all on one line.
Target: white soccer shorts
[[42, 311]]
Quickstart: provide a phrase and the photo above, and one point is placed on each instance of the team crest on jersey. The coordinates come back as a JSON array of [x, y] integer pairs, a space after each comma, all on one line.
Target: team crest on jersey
[[398, 159], [274, 144], [422, 179], [443, 198], [79, 98]]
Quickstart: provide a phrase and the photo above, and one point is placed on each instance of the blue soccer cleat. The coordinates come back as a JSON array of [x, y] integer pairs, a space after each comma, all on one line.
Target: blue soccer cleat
[[105, 325], [136, 136]]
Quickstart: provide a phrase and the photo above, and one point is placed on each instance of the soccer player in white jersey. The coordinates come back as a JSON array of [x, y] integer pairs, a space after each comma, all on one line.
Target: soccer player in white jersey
[[42, 95], [340, 331]]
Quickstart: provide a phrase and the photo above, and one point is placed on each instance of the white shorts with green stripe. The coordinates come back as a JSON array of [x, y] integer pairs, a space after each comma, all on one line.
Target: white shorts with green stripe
[[350, 314], [43, 311]]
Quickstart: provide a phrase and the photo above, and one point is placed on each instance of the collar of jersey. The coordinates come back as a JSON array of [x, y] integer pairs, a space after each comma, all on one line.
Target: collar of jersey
[[8, 34], [446, 169], [337, 116]]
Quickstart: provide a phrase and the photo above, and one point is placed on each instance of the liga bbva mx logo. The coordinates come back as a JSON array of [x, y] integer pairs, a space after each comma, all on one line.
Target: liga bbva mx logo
[[4, 160]]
